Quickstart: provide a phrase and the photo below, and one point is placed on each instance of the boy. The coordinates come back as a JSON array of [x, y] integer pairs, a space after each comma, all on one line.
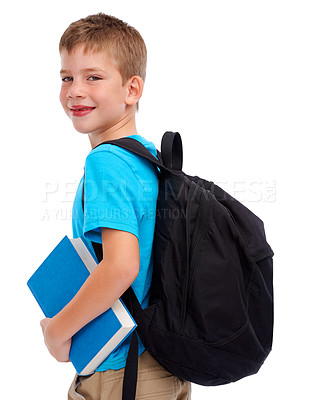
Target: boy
[[103, 71]]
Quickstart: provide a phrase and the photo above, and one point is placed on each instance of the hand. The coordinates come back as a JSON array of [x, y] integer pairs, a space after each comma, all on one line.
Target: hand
[[59, 349]]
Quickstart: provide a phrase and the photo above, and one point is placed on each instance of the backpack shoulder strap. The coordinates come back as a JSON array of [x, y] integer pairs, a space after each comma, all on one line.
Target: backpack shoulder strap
[[137, 148], [169, 159], [171, 154]]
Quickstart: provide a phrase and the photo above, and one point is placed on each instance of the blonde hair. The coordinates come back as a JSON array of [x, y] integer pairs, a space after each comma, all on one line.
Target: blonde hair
[[122, 42]]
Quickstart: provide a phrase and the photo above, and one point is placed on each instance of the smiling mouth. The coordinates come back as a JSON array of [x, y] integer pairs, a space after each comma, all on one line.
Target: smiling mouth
[[82, 108], [81, 111]]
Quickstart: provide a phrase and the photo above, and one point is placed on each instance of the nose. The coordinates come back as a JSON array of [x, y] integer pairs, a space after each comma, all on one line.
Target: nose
[[76, 90]]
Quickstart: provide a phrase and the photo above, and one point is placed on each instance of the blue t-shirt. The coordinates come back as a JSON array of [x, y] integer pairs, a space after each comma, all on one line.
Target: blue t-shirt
[[121, 192]]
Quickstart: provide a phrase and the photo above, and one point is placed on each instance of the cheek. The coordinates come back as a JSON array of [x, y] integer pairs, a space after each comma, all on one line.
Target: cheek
[[63, 96], [63, 100]]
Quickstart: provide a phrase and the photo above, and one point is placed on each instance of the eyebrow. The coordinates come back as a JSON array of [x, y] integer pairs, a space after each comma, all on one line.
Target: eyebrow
[[86, 70]]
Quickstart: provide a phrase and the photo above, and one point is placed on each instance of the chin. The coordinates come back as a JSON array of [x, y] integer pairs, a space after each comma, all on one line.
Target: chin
[[81, 129]]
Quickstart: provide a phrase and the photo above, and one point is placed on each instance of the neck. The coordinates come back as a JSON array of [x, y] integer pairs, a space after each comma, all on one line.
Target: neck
[[125, 127]]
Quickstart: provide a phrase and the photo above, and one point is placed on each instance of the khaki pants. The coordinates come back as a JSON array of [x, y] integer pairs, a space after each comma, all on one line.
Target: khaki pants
[[154, 383]]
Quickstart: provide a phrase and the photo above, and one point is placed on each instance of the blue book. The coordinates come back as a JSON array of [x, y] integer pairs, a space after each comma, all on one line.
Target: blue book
[[57, 281]]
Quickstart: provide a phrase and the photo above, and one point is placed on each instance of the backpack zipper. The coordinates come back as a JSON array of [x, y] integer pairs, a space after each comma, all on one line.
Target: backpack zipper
[[202, 225], [191, 261]]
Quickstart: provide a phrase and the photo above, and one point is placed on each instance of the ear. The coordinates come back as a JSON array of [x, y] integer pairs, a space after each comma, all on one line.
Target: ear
[[135, 86]]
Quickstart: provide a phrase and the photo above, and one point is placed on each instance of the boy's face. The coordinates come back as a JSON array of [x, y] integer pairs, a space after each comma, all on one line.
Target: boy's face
[[92, 92]]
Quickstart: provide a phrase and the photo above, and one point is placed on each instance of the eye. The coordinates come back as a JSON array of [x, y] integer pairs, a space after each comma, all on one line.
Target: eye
[[67, 79], [94, 78]]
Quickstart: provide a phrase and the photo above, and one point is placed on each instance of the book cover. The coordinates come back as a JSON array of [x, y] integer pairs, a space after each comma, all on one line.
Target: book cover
[[57, 281]]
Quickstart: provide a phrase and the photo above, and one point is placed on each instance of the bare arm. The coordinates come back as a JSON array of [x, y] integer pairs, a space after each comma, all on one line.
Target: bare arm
[[113, 275]]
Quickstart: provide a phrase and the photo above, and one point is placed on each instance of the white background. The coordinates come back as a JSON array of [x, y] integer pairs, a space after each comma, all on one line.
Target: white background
[[238, 80]]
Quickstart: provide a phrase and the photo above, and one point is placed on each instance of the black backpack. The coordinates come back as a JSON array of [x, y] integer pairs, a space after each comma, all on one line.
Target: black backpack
[[210, 316]]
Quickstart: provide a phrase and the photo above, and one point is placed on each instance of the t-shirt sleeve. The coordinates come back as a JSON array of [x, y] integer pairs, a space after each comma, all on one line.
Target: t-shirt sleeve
[[110, 195]]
